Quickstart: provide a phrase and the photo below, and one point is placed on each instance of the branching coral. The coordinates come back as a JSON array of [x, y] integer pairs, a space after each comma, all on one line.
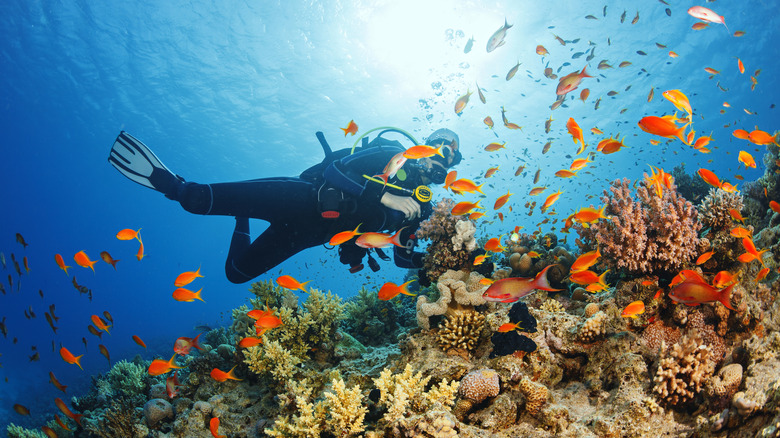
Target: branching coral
[[460, 332], [440, 229], [683, 371], [714, 209], [376, 322], [345, 410], [593, 327], [125, 379], [648, 234], [271, 358], [405, 392]]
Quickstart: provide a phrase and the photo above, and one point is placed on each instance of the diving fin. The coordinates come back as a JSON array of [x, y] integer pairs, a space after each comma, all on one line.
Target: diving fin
[[137, 162]]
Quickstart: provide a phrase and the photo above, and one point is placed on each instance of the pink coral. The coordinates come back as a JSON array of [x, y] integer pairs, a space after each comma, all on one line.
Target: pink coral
[[645, 235]]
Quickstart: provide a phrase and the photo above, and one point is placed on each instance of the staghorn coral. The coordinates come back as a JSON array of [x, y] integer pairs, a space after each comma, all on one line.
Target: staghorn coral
[[646, 235], [459, 333], [683, 371], [535, 395], [475, 387], [345, 410], [459, 291], [551, 305], [593, 327], [272, 359], [714, 209], [440, 229]]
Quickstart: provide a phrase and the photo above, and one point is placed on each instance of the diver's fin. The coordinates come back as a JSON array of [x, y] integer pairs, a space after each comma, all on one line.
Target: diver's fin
[[137, 162]]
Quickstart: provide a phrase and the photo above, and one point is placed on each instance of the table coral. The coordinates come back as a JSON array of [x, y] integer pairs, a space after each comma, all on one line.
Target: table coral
[[645, 235], [683, 371]]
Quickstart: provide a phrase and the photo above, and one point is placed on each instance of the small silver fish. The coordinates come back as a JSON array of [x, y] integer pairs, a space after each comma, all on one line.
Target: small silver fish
[[469, 44], [2, 259], [497, 40]]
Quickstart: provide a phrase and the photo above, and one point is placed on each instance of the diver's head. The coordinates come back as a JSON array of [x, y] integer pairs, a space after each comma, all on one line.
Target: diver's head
[[437, 166]]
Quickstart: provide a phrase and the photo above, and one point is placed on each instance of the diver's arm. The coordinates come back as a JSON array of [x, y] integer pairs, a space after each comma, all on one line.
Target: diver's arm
[[405, 204]]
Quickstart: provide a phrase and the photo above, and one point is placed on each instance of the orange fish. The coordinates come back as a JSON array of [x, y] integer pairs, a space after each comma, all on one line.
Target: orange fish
[[492, 147], [662, 127], [379, 240], [673, 54], [267, 321], [390, 290], [494, 245], [344, 236], [585, 261], [509, 290], [186, 295], [589, 215], [476, 215], [60, 423], [709, 177], [565, 173], [450, 178], [61, 263], [633, 309], [502, 200], [711, 70], [159, 366], [762, 138], [68, 357], [736, 215], [140, 254], [21, 410], [551, 200], [139, 341], [576, 133], [694, 292], [723, 279], [423, 151], [762, 274], [108, 259], [351, 128], [541, 50], [221, 376], [750, 247], [571, 81], [462, 208], [392, 167], [214, 427], [586, 277], [84, 261], [128, 234], [740, 134], [746, 159], [478, 260], [585, 93], [184, 345], [464, 185], [508, 327], [704, 257], [68, 413], [170, 385], [99, 323], [740, 232], [488, 121], [186, 278], [56, 382], [740, 66], [104, 352], [49, 432], [699, 25], [679, 100], [461, 103], [249, 341], [536, 190], [579, 164], [774, 206], [491, 171]]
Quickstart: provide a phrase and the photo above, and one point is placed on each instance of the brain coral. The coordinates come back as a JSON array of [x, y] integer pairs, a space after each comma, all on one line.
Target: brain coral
[[645, 235]]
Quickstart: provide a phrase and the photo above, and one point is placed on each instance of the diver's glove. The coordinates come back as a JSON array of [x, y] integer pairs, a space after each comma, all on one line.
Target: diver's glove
[[405, 204]]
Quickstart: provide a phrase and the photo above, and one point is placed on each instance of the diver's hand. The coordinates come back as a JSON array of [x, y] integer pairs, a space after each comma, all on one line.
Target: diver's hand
[[405, 204]]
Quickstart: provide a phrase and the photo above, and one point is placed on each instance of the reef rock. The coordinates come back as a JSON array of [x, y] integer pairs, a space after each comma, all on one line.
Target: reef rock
[[156, 411]]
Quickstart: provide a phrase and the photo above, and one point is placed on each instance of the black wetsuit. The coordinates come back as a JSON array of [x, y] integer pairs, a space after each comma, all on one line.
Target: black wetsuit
[[292, 207]]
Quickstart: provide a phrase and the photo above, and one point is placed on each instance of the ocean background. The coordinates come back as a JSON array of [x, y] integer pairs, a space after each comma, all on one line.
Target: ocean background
[[229, 91]]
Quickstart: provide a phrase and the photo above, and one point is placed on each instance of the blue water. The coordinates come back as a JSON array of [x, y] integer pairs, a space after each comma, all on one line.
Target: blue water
[[227, 91]]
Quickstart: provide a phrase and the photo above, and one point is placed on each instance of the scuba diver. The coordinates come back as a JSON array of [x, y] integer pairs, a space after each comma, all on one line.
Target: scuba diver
[[340, 193]]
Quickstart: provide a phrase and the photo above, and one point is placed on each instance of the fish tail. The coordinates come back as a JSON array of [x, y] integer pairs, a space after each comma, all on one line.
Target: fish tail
[[197, 295], [680, 133], [584, 74], [439, 152], [77, 361], [724, 297], [303, 285], [383, 177], [479, 188], [541, 281]]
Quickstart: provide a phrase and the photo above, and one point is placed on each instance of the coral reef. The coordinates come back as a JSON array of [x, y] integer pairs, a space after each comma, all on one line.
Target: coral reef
[[460, 332], [475, 387], [405, 392], [442, 255], [683, 371], [593, 328], [535, 394], [714, 209], [459, 292], [650, 234], [464, 236], [376, 322]]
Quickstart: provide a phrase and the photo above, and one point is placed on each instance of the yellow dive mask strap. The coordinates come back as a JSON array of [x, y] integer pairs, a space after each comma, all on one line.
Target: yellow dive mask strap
[[421, 193]]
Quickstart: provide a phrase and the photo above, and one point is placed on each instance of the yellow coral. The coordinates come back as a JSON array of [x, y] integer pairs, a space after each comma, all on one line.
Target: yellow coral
[[271, 358], [461, 331], [535, 395], [346, 412], [406, 391], [304, 425]]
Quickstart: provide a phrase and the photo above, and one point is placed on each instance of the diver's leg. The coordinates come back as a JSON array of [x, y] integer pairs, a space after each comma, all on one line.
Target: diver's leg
[[138, 163], [271, 199], [275, 245]]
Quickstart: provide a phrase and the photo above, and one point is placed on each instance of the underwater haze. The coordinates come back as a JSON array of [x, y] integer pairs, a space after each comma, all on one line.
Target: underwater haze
[[235, 90]]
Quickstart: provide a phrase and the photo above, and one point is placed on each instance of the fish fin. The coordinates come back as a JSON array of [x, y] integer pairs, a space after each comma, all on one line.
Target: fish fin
[[541, 282]]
